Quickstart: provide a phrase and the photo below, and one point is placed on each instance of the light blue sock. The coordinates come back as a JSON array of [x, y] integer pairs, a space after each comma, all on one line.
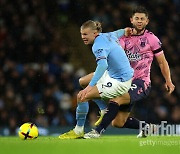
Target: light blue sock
[[101, 103], [81, 113]]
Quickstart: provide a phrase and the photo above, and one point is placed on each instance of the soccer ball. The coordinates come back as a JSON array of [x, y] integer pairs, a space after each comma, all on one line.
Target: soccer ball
[[28, 131]]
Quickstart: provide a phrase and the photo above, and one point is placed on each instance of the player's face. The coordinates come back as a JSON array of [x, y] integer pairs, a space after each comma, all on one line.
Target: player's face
[[88, 35], [139, 21]]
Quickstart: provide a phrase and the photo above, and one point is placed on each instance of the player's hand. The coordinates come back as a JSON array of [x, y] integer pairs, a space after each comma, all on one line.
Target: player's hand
[[128, 31], [82, 94], [169, 87]]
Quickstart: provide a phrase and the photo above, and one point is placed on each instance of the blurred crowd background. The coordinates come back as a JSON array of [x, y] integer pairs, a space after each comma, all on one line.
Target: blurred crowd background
[[42, 58]]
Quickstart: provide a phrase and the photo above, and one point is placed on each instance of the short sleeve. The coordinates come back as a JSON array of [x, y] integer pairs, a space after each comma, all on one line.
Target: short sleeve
[[155, 43], [118, 33], [99, 50]]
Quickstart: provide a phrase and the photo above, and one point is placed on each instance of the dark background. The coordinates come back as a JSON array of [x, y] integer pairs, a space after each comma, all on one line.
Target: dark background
[[42, 57]]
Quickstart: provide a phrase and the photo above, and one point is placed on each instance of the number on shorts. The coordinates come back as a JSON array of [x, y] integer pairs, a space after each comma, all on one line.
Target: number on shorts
[[109, 84], [133, 86]]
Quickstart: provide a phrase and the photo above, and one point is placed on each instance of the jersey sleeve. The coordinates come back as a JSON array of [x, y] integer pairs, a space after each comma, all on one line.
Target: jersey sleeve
[[100, 51], [118, 33], [100, 69], [155, 44]]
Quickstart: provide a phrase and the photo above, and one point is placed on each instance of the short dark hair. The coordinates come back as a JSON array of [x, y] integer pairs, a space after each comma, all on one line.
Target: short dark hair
[[140, 9]]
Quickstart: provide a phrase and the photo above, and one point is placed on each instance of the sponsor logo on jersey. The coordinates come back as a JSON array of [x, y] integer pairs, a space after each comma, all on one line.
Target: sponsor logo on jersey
[[133, 56]]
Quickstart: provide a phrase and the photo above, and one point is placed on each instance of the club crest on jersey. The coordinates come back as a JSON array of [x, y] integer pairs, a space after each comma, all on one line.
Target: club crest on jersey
[[99, 51], [143, 41]]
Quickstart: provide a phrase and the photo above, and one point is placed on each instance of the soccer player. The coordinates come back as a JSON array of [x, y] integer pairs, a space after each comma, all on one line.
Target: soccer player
[[140, 48], [112, 77]]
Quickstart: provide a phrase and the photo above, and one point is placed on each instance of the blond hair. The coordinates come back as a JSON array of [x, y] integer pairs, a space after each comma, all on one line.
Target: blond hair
[[94, 25]]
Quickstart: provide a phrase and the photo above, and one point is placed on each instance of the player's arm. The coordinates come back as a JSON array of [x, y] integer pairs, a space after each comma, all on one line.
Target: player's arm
[[100, 51], [100, 69], [121, 32], [163, 64]]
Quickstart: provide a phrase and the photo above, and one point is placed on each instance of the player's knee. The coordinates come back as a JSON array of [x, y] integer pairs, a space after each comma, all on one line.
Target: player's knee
[[82, 82], [118, 123], [80, 99]]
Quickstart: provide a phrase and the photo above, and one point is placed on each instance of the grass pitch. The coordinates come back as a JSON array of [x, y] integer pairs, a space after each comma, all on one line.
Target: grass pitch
[[104, 145]]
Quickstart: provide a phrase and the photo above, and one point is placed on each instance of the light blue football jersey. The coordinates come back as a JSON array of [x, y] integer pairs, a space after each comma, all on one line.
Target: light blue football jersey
[[106, 47]]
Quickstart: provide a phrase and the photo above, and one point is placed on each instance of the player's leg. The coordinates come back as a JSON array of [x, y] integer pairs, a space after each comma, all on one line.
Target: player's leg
[[106, 91], [134, 94], [117, 93], [123, 120], [120, 119], [108, 88], [112, 112], [111, 89], [82, 108], [84, 81], [81, 112], [138, 91], [131, 122], [78, 132]]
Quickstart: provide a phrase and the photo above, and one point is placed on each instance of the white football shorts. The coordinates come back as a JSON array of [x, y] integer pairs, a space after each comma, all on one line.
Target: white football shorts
[[111, 88]]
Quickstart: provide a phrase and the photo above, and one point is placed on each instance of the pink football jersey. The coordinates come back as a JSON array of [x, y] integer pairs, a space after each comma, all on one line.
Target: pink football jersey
[[140, 50]]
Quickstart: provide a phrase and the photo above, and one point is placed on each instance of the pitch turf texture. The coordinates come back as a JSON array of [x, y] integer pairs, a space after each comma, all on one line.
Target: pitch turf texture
[[104, 145]]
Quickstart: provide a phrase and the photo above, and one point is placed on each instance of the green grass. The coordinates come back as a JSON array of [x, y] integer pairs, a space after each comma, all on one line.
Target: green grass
[[104, 145]]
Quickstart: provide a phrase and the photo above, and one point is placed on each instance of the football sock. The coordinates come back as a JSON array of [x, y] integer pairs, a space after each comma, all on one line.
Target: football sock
[[133, 123], [112, 111], [101, 104], [81, 113], [78, 129]]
